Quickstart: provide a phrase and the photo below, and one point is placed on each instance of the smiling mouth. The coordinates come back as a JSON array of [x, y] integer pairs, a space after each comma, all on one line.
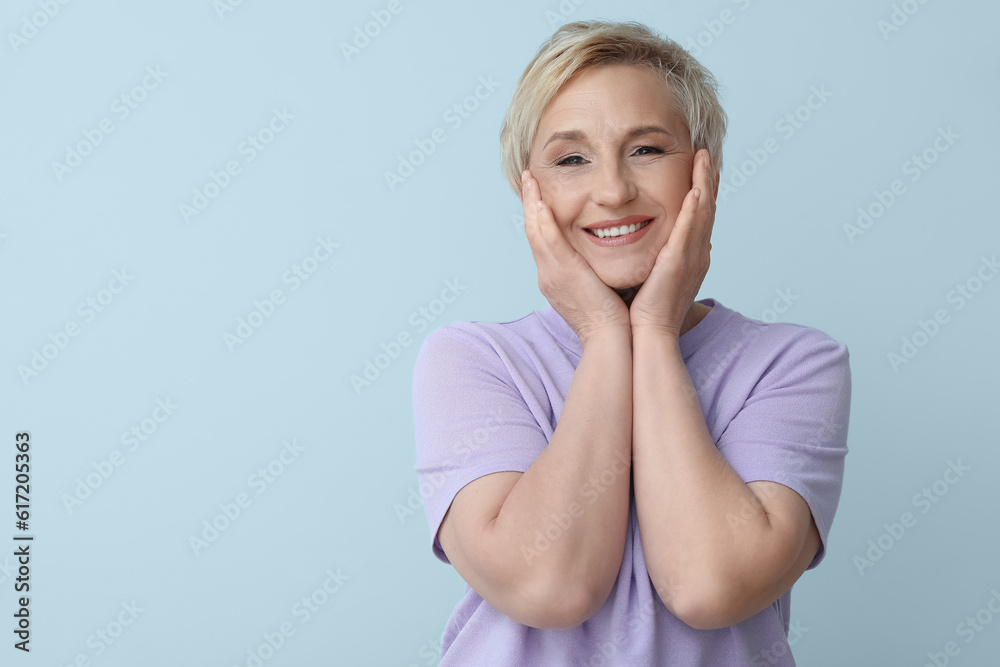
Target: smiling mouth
[[617, 231]]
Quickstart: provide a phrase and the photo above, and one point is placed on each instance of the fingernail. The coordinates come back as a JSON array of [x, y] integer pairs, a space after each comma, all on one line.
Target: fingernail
[[697, 194]]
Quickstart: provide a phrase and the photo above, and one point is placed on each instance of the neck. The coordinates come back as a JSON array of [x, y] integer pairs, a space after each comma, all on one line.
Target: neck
[[627, 294]]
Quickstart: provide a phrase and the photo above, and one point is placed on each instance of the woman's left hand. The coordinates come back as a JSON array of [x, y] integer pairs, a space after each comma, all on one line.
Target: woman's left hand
[[666, 296]]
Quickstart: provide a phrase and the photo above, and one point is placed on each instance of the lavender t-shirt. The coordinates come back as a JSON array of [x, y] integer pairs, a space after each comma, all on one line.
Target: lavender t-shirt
[[487, 397]]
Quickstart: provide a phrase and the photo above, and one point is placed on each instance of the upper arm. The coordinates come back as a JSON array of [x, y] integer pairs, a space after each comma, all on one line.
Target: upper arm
[[788, 442], [470, 422], [464, 532], [465, 537], [796, 541], [485, 561], [790, 435], [771, 569], [475, 436]]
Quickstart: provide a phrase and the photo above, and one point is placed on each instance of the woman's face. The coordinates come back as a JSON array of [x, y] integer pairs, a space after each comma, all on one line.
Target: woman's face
[[611, 148]]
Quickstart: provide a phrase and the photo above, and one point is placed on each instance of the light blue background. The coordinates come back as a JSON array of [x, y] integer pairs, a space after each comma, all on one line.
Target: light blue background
[[336, 506]]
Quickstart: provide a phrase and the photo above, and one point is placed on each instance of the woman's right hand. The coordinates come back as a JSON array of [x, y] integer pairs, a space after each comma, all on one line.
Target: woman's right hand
[[565, 278]]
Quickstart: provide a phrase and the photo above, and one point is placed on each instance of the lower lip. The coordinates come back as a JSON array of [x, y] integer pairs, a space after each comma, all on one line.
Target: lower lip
[[624, 239]]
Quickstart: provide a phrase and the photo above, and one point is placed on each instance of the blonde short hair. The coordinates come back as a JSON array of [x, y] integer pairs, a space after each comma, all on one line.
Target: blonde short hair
[[584, 44]]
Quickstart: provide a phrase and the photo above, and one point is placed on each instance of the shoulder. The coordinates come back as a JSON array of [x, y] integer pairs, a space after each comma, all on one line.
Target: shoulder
[[798, 369], [485, 340], [492, 349], [785, 343], [756, 356]]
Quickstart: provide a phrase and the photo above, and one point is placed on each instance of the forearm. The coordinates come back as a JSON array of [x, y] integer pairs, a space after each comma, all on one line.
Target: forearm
[[687, 494], [564, 521]]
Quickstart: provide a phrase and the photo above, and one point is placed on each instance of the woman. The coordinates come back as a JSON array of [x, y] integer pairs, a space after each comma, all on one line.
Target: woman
[[628, 477]]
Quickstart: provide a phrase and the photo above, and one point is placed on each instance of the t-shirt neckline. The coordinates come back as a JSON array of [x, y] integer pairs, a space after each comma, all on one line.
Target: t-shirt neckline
[[690, 341]]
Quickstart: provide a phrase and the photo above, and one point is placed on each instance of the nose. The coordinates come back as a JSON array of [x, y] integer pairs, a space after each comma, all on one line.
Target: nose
[[613, 185]]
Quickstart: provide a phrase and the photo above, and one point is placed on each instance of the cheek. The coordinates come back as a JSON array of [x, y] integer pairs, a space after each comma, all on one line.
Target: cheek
[[560, 187], [659, 240], [673, 201], [668, 189], [663, 235], [565, 201]]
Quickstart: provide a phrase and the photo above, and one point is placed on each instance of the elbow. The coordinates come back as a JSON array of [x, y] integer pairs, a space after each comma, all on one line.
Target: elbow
[[557, 605], [704, 613], [562, 615], [562, 596], [705, 606]]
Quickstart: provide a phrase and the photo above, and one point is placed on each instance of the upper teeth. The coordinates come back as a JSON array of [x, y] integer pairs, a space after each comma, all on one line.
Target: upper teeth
[[617, 231]]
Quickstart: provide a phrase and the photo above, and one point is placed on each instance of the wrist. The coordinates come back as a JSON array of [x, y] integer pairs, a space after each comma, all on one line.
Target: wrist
[[651, 342], [608, 335], [656, 332]]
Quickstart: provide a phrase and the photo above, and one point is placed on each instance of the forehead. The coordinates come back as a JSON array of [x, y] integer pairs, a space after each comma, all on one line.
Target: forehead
[[608, 100]]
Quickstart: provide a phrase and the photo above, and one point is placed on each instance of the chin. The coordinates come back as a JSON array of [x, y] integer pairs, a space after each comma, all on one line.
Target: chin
[[621, 280], [624, 272]]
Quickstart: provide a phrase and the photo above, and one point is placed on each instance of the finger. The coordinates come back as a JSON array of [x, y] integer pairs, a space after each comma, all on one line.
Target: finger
[[681, 234], [530, 201], [702, 176], [543, 222], [694, 206], [706, 206]]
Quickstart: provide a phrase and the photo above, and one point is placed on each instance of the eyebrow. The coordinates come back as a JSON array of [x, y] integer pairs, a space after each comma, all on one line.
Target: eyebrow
[[576, 135]]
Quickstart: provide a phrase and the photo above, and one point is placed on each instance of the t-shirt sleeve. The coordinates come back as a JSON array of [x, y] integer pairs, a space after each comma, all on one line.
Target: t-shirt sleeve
[[792, 429], [471, 418]]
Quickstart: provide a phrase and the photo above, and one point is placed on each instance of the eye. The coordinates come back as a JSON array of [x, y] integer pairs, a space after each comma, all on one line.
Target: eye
[[648, 150], [571, 160]]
